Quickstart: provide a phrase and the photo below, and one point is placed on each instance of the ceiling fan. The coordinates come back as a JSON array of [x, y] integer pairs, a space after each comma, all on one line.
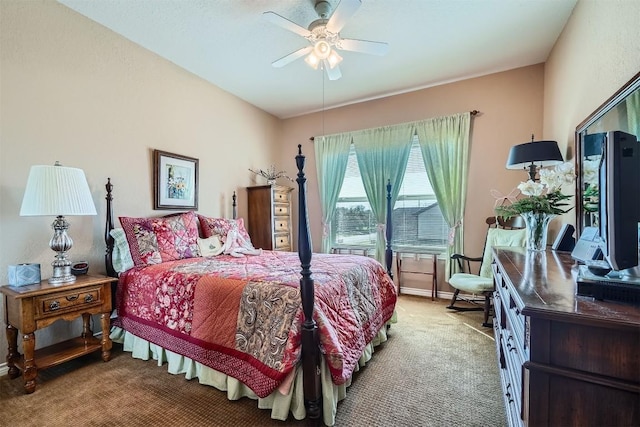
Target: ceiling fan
[[324, 38]]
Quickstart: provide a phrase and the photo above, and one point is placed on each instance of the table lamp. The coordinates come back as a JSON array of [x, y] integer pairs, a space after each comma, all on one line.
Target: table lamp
[[534, 154], [58, 191]]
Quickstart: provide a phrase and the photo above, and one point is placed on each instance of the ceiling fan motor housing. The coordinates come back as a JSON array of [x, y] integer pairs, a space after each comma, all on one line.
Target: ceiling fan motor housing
[[323, 9]]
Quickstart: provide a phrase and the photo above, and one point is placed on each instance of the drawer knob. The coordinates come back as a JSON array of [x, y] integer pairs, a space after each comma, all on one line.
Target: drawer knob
[[71, 297], [54, 305], [88, 298]]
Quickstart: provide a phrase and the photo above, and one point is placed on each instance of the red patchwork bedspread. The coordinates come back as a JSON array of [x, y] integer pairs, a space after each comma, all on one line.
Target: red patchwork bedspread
[[243, 316]]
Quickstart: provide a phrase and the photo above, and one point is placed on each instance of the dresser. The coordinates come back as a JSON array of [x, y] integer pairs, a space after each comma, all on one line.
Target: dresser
[[269, 217], [564, 360]]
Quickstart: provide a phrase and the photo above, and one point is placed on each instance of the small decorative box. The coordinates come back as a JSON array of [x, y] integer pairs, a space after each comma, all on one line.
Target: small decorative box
[[24, 274]]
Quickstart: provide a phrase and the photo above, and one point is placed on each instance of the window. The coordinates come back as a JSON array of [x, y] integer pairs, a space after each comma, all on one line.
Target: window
[[417, 220]]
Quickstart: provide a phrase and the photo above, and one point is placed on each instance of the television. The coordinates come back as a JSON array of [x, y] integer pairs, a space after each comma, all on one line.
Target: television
[[619, 199]]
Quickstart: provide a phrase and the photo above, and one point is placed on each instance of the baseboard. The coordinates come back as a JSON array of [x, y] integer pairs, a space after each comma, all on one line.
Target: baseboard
[[424, 293]]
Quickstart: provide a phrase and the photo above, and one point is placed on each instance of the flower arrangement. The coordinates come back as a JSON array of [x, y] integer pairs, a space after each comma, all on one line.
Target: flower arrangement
[[271, 174], [544, 196], [590, 196]]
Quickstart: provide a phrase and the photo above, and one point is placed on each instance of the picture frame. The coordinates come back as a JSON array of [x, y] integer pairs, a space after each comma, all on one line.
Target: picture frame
[[175, 181]]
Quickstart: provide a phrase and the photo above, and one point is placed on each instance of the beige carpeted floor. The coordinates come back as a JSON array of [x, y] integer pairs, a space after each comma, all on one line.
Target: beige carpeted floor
[[437, 369]]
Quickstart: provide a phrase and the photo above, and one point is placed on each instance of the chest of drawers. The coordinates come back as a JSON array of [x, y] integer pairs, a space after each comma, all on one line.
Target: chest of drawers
[[269, 217]]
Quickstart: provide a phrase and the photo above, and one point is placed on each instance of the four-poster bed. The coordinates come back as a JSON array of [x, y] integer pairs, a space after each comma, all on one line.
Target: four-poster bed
[[331, 310]]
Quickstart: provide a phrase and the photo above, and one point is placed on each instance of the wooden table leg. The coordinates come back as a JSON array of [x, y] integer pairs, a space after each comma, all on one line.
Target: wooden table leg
[[86, 326], [106, 340], [12, 355], [30, 370]]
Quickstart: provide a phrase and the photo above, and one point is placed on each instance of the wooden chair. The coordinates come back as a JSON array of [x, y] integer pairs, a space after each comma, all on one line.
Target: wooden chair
[[478, 288]]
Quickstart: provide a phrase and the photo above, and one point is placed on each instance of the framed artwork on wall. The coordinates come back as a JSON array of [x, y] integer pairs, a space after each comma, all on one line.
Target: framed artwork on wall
[[175, 181]]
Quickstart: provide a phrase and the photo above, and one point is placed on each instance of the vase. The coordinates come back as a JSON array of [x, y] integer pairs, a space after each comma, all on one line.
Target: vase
[[271, 181], [537, 224]]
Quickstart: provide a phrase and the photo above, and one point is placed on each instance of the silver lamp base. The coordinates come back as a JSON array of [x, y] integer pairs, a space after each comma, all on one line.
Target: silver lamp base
[[61, 243]]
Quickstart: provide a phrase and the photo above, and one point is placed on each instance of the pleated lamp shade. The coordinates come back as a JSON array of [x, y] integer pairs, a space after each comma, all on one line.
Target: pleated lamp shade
[[57, 190]]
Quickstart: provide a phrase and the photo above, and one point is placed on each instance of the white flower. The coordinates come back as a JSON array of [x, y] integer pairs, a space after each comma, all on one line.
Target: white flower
[[590, 170], [555, 178], [531, 188]]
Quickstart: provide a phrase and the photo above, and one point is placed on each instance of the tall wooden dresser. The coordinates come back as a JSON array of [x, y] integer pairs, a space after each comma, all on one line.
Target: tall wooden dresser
[[565, 360], [269, 217]]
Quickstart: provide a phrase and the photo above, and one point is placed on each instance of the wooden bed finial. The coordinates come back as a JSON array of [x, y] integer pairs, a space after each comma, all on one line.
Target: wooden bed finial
[[108, 239], [235, 206]]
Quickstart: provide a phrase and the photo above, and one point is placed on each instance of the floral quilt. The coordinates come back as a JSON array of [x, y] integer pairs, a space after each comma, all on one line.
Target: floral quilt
[[243, 316]]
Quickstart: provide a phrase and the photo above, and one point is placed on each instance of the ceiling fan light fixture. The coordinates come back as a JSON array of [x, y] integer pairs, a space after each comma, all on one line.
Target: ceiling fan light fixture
[[334, 59], [312, 60], [322, 49]]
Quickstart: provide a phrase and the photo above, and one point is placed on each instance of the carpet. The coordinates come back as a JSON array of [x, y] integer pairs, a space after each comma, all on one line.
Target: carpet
[[438, 368]]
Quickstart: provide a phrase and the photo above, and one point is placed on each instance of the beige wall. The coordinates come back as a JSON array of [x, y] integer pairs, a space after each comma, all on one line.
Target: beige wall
[[597, 53], [74, 91], [510, 105]]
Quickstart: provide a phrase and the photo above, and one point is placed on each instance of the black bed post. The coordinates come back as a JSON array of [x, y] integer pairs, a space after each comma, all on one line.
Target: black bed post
[[310, 347], [388, 253], [235, 206], [108, 256]]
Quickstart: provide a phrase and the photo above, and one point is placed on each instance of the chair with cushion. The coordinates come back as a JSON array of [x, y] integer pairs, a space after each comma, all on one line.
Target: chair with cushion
[[478, 288]]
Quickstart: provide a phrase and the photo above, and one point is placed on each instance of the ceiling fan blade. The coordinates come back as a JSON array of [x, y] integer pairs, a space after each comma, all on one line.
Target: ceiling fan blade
[[341, 15], [363, 46], [291, 57], [333, 73], [283, 22]]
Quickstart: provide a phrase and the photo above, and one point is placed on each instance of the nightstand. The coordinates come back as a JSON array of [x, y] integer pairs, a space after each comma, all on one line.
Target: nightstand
[[32, 307]]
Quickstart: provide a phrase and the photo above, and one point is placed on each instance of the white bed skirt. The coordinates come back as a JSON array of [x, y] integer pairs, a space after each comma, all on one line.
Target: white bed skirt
[[279, 403]]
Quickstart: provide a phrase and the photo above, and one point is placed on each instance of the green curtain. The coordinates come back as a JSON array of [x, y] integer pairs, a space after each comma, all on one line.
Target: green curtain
[[382, 155], [633, 113], [444, 142], [332, 154]]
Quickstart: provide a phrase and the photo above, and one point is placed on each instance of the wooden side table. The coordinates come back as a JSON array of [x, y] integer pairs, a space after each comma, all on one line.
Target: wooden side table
[[433, 273], [28, 308]]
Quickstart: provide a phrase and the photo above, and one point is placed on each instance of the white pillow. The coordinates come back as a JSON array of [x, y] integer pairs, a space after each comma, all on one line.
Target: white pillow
[[121, 259], [211, 246]]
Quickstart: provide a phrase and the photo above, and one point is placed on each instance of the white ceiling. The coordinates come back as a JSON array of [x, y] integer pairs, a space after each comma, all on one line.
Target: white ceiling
[[431, 42]]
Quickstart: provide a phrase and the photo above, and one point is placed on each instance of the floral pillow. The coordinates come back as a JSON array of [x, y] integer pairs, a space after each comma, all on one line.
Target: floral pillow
[[177, 236], [221, 226], [156, 240]]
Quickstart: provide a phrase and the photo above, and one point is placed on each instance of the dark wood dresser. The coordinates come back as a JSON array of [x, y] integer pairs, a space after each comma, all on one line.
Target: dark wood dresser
[[269, 217], [565, 360]]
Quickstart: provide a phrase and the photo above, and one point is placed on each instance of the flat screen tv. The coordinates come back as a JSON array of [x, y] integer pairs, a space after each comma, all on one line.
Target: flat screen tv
[[619, 199]]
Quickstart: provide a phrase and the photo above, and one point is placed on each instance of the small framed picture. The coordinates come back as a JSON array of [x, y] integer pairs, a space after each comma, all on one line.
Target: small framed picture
[[175, 179]]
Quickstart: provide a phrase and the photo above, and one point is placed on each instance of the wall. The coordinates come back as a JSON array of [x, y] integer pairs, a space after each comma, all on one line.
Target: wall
[[74, 91], [510, 105], [597, 53]]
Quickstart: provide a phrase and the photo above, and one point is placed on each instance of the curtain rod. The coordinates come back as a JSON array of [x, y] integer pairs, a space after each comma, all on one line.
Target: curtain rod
[[472, 112]]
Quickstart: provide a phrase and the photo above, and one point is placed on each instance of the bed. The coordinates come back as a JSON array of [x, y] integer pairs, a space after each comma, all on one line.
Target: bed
[[286, 329]]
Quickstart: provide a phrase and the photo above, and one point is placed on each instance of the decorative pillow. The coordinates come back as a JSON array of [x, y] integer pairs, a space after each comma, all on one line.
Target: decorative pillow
[[177, 236], [211, 246], [221, 227], [121, 257], [142, 240], [500, 237], [156, 240]]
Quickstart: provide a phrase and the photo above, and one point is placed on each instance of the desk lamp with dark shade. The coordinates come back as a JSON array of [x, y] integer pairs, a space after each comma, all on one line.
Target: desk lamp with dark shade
[[533, 155], [58, 191]]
